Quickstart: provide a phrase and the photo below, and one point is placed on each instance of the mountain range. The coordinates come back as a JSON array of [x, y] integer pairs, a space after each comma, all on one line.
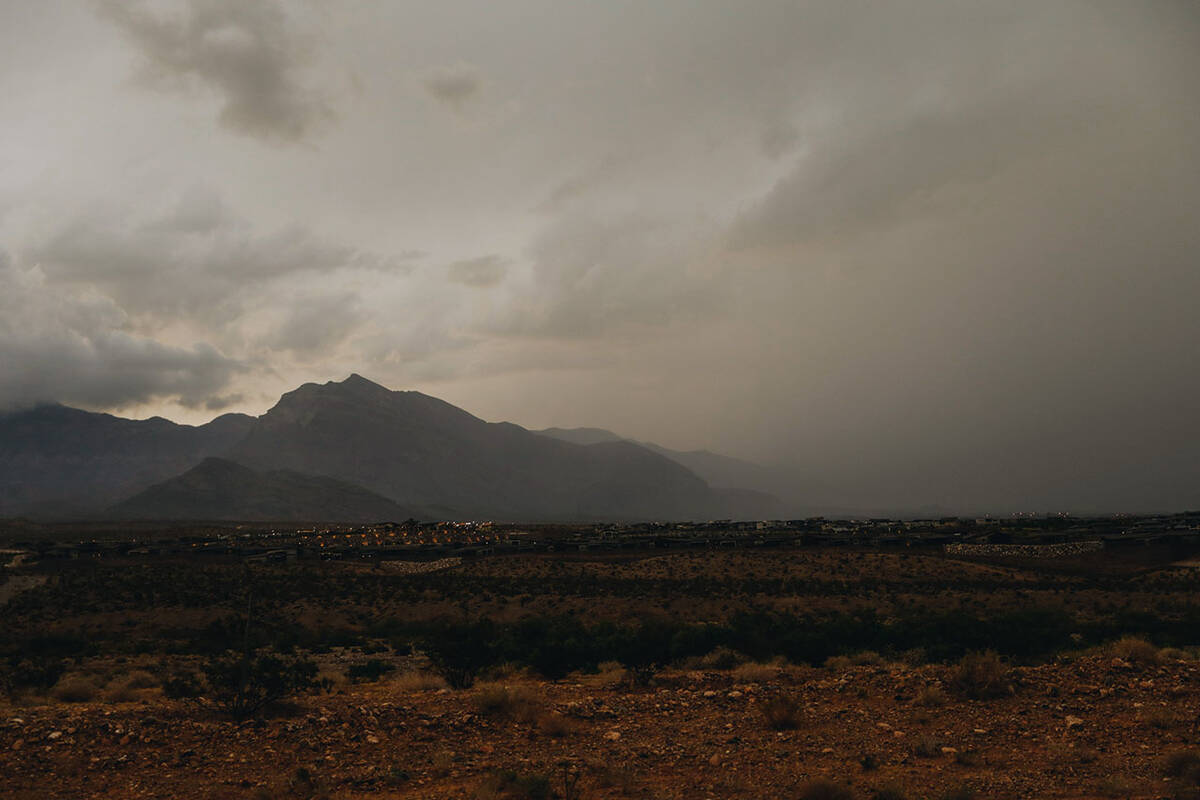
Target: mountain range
[[354, 451]]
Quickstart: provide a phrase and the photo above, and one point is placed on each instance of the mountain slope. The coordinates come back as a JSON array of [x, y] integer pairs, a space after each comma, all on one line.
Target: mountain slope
[[714, 468], [60, 461], [421, 451], [219, 489]]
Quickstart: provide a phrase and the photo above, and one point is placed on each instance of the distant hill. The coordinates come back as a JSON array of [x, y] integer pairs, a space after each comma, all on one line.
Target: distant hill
[[421, 451], [346, 447], [62, 461], [219, 489], [715, 469]]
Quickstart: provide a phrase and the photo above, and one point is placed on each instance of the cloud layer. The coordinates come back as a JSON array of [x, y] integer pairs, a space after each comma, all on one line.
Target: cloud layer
[[925, 254], [241, 50]]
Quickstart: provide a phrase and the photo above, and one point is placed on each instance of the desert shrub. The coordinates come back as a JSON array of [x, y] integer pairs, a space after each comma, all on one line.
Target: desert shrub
[[721, 658], [1184, 765], [980, 676], [931, 697], [140, 679], [782, 713], [182, 686], [75, 689], [866, 658], [244, 684], [641, 676], [504, 702], [822, 789], [616, 776], [1137, 651], [554, 725], [961, 792], [370, 670], [754, 672], [927, 747], [508, 784], [418, 681], [1162, 719], [1114, 787], [838, 663], [30, 674], [459, 653], [890, 791]]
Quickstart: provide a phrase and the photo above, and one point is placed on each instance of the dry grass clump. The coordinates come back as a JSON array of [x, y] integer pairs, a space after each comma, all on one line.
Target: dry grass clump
[[981, 676], [555, 725], [125, 689], [1137, 651], [962, 792], [867, 658], [503, 702], [507, 784], [722, 659], [417, 681], [1114, 787], [891, 791], [782, 713], [927, 746], [838, 663], [141, 679], [1176, 654], [932, 697], [755, 672], [75, 689], [822, 789], [1184, 765], [1162, 719]]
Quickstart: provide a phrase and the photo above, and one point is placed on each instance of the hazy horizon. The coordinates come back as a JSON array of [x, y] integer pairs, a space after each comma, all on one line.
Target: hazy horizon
[[926, 254]]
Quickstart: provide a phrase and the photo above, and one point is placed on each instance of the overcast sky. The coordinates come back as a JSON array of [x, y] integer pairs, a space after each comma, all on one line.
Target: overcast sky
[[927, 253]]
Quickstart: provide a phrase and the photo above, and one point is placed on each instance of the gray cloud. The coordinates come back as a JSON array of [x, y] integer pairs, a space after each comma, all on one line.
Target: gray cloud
[[76, 348], [455, 84], [315, 324], [198, 259], [479, 273], [243, 50], [929, 253]]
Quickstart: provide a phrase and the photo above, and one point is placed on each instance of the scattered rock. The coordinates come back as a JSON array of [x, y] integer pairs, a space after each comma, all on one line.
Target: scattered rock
[[1073, 721], [612, 736]]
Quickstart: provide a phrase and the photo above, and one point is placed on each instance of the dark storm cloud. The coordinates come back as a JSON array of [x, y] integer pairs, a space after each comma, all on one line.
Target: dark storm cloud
[[58, 346], [243, 50], [315, 324], [479, 273], [193, 260], [455, 85], [927, 253]]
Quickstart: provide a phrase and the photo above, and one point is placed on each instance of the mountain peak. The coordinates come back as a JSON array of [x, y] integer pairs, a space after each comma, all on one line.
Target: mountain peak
[[358, 380]]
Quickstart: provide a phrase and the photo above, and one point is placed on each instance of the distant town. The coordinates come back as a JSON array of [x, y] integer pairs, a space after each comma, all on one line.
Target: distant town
[[1018, 536]]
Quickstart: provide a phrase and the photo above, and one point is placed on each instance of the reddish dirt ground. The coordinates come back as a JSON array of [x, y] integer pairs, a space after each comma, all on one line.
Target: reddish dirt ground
[[1084, 727]]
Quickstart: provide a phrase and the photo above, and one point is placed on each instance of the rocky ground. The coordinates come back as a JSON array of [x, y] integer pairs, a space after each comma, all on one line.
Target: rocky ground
[[1088, 726]]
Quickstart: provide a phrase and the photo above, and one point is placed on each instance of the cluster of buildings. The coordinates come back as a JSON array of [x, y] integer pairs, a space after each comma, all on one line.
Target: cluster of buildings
[[412, 540]]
